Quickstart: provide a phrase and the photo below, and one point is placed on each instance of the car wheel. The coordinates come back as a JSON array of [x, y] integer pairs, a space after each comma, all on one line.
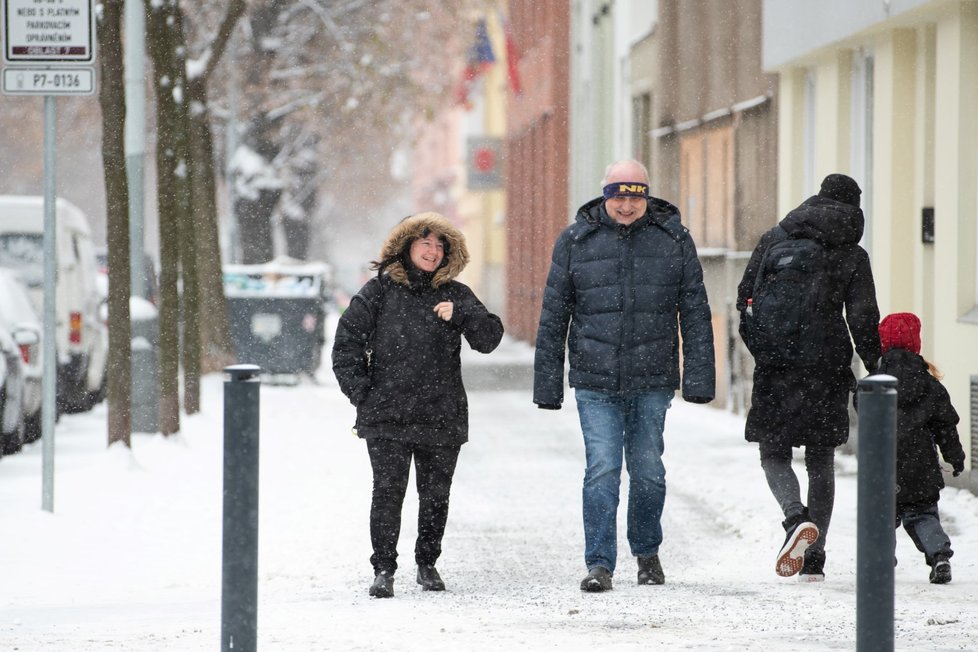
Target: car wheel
[[12, 441], [32, 427], [16, 439]]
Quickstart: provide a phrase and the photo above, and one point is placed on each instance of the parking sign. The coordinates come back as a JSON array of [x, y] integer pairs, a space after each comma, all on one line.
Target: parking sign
[[48, 31]]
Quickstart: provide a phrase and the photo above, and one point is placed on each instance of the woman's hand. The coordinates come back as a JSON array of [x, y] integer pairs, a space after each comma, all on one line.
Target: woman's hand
[[444, 310]]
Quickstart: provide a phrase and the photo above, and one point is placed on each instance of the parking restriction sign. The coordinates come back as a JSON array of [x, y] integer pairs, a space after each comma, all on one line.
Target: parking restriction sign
[[48, 31]]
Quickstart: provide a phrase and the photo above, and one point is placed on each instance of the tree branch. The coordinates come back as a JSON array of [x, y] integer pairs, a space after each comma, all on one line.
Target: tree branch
[[235, 10]]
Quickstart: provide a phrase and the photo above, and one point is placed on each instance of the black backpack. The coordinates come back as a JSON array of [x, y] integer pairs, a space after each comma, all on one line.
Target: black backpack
[[781, 322]]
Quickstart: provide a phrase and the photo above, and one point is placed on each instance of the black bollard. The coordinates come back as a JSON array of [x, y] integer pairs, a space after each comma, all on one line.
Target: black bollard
[[876, 514], [239, 577]]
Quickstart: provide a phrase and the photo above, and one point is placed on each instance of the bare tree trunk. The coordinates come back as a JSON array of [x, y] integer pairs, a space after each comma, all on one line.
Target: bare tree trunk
[[255, 226], [190, 299], [161, 45], [215, 333], [296, 238], [112, 98]]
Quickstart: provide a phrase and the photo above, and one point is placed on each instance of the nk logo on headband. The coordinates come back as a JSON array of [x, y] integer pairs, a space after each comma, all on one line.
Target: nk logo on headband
[[626, 190]]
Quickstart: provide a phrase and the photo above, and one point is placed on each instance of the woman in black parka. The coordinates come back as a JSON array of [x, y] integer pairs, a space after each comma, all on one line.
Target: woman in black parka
[[809, 406], [396, 355]]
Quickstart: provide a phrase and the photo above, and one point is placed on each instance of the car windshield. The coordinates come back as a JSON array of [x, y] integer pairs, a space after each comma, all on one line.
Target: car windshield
[[15, 305], [24, 252]]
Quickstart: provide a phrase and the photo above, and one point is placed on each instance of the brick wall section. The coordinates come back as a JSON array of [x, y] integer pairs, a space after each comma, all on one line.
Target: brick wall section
[[537, 157]]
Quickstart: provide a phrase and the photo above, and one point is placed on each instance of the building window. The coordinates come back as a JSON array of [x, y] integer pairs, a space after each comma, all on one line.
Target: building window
[[862, 134], [641, 125], [706, 185], [809, 134]]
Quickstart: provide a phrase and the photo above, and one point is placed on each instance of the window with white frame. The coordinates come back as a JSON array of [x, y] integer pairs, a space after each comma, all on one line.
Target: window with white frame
[[808, 169], [861, 142]]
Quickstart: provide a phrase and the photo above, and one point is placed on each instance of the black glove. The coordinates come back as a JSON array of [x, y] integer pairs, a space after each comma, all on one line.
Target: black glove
[[958, 469], [548, 406]]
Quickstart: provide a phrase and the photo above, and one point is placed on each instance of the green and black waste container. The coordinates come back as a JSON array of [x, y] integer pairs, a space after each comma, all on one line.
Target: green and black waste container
[[277, 312]]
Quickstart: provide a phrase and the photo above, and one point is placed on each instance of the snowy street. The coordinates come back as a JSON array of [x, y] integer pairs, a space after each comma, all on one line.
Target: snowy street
[[131, 558]]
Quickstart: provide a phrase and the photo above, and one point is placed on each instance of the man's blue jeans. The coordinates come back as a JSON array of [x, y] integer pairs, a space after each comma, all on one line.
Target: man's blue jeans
[[615, 428]]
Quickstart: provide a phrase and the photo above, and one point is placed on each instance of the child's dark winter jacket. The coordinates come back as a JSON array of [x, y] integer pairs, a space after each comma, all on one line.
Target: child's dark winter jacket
[[925, 417]]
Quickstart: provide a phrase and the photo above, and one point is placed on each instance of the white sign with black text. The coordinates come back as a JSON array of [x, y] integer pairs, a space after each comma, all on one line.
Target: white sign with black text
[[48, 81], [48, 31]]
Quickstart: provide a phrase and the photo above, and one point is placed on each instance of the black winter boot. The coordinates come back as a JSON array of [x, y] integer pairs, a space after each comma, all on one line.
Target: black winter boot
[[383, 586], [940, 572], [429, 579], [650, 570], [597, 580]]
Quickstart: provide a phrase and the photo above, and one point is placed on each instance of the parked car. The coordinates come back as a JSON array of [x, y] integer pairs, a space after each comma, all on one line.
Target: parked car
[[81, 342], [12, 388], [18, 316]]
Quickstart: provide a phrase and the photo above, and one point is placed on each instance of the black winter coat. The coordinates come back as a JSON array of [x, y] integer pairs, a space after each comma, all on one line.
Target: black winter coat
[[412, 389], [811, 406], [619, 290], [926, 420]]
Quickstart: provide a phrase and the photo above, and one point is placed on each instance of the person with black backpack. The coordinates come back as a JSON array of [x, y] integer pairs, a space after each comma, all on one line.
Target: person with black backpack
[[801, 276]]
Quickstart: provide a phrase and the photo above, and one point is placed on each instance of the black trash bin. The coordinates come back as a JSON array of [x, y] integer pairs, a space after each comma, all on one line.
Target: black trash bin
[[277, 312]]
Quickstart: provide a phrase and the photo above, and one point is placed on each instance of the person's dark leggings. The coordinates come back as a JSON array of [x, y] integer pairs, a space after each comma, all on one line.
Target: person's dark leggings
[[781, 478], [391, 462]]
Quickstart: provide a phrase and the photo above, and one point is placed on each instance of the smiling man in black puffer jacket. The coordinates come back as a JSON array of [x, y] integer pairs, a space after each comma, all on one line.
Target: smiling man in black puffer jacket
[[624, 281]]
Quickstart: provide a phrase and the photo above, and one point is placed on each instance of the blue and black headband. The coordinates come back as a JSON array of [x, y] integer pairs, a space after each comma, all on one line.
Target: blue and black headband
[[626, 189]]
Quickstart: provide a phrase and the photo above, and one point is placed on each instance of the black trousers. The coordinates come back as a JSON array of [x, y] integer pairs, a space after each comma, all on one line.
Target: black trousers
[[781, 479], [923, 523], [391, 462]]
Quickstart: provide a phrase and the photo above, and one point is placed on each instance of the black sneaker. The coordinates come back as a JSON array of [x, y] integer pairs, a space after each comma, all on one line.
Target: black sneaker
[[650, 570], [429, 579], [940, 572], [383, 586], [813, 570], [801, 533], [598, 580]]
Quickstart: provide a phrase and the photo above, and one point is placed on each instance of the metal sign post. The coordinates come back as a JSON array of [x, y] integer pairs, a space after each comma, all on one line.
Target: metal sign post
[[48, 50], [49, 371]]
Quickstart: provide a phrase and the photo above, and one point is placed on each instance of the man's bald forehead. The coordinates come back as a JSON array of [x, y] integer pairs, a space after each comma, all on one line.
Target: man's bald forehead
[[626, 171]]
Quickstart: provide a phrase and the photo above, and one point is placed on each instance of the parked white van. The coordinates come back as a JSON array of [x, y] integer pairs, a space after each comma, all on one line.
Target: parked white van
[[82, 338]]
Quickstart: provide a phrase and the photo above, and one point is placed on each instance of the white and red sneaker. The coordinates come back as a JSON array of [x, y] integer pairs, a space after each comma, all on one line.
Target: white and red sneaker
[[792, 554]]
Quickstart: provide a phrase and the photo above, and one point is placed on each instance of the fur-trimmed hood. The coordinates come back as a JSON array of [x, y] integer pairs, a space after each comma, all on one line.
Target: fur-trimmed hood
[[410, 228]]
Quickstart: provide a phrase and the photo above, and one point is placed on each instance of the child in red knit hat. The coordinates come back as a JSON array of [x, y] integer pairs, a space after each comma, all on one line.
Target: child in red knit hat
[[925, 418]]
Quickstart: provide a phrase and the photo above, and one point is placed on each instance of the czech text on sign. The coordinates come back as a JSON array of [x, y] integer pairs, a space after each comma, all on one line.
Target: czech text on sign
[[48, 30]]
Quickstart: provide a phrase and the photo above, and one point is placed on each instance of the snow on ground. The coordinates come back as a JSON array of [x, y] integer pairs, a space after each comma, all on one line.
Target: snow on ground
[[131, 557]]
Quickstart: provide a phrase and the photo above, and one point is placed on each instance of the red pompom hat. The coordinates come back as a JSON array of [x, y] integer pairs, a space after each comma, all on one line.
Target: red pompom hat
[[901, 330]]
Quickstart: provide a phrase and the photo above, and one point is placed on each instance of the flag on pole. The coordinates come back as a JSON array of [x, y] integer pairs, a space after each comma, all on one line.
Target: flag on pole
[[512, 57], [479, 58]]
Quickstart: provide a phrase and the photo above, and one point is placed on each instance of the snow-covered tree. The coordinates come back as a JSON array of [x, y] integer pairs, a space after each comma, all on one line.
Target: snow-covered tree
[[327, 86]]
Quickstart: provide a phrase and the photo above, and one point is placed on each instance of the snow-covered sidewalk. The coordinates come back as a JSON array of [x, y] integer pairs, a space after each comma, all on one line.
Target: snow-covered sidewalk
[[131, 558]]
